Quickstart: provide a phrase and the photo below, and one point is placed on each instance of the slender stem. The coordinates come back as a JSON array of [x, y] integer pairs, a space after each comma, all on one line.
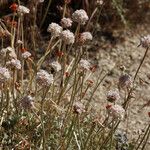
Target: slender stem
[[94, 12], [22, 74], [64, 12], [89, 135], [138, 69], [125, 105], [45, 14], [39, 63], [70, 132], [42, 117], [143, 137], [148, 135]]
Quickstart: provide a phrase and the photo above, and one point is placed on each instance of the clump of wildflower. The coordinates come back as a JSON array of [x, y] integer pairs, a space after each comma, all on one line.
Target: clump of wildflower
[[85, 36], [23, 10], [125, 81], [78, 107], [26, 55], [145, 41], [116, 111], [113, 95], [80, 16], [56, 66], [84, 64], [44, 79], [27, 102], [67, 37], [66, 22], [10, 51], [54, 29], [14, 63], [4, 75]]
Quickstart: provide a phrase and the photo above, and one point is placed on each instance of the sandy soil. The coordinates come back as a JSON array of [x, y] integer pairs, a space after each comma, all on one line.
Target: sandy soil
[[125, 52]]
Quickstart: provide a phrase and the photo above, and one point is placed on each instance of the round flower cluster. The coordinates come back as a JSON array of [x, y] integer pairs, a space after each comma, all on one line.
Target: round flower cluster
[[85, 36], [27, 102], [10, 51], [80, 16], [67, 37], [26, 55], [23, 10], [66, 22], [116, 111], [4, 75], [125, 81], [14, 63], [84, 64], [145, 41], [44, 79], [54, 29], [56, 66], [78, 108], [113, 95]]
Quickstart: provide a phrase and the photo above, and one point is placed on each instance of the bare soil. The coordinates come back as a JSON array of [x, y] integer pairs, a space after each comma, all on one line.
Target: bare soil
[[125, 52]]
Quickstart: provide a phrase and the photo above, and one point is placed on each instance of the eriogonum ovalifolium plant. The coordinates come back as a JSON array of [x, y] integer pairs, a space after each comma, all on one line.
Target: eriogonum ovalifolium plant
[[47, 103]]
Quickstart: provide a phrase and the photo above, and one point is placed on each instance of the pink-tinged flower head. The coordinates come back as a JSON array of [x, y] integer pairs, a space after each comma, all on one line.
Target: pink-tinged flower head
[[27, 102], [113, 95], [85, 36], [125, 81], [84, 64], [56, 66], [10, 51], [66, 22], [44, 79], [145, 41], [26, 55], [4, 75], [54, 29], [80, 16], [116, 111], [67, 37], [78, 107], [14, 64]]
